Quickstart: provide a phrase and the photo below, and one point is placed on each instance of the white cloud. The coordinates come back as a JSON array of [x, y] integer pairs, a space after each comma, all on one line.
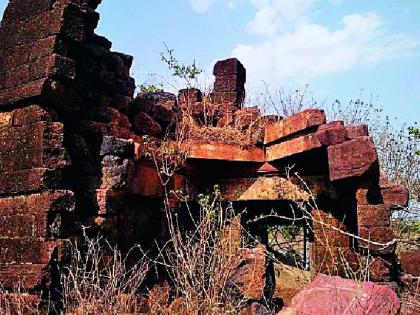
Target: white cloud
[[201, 5], [291, 47]]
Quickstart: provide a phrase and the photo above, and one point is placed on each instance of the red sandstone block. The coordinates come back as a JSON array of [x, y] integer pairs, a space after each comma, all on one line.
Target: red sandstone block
[[395, 195], [144, 124], [163, 114], [226, 152], [28, 180], [109, 201], [29, 276], [354, 132], [14, 57], [352, 158], [294, 124], [330, 237], [22, 92], [332, 133], [44, 48], [116, 172], [369, 196], [24, 9], [47, 202], [382, 235], [31, 114], [231, 97], [250, 277], [410, 262], [228, 83], [20, 160], [189, 97], [331, 124], [292, 147], [39, 69], [32, 146], [24, 226], [229, 66], [22, 137], [379, 269], [15, 76], [334, 260], [61, 67], [34, 29], [28, 251], [146, 181], [322, 219], [247, 116], [373, 216]]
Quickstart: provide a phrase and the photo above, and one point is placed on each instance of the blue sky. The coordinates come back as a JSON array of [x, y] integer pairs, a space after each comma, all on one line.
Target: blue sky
[[338, 47]]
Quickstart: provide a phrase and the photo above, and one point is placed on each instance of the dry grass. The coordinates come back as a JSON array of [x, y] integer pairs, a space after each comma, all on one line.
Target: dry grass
[[410, 299], [201, 261], [98, 281]]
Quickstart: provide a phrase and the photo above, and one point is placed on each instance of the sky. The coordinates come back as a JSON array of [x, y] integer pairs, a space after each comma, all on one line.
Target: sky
[[342, 49]]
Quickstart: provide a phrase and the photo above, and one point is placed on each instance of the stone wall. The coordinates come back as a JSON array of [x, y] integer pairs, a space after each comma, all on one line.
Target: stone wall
[[74, 141]]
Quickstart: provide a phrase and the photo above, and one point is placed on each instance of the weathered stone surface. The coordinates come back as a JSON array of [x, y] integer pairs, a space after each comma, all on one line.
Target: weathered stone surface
[[382, 235], [116, 172], [379, 269], [146, 102], [354, 132], [30, 180], [118, 147], [246, 117], [108, 201], [352, 158], [373, 216], [146, 181], [226, 152], [369, 196], [294, 124], [395, 195], [23, 91], [25, 116], [145, 124], [28, 276], [50, 56], [228, 83], [34, 216], [228, 98], [339, 294], [327, 236], [289, 282], [229, 67], [32, 146], [188, 97], [291, 147], [250, 277], [410, 262], [332, 133], [263, 188], [32, 251]]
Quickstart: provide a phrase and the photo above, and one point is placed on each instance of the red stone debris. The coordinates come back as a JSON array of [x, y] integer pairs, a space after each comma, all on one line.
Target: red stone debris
[[334, 295]]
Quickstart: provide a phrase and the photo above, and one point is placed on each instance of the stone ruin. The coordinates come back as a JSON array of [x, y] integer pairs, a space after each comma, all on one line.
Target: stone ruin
[[72, 154]]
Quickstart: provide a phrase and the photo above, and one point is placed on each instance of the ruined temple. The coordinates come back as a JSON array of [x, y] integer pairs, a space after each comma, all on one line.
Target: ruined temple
[[73, 154]]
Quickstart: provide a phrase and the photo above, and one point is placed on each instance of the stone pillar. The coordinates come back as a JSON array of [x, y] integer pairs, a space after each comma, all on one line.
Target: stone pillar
[[229, 87]]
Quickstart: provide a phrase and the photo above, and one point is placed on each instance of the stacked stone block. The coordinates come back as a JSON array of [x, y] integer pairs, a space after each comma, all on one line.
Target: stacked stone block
[[230, 81], [34, 205], [73, 153]]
